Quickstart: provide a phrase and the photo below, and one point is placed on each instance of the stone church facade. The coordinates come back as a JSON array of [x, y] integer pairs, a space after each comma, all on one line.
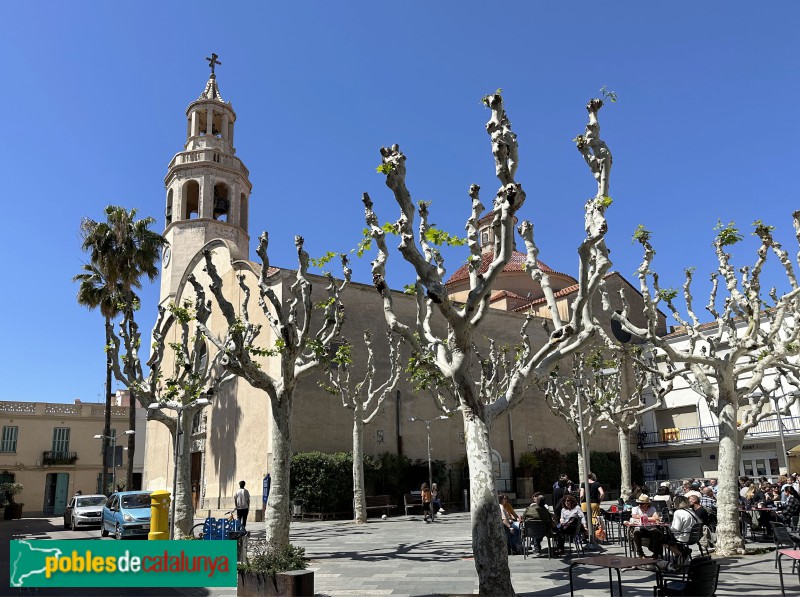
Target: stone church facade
[[207, 197]]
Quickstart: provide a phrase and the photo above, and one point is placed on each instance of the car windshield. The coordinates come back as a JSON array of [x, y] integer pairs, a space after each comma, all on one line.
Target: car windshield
[[136, 500], [95, 500]]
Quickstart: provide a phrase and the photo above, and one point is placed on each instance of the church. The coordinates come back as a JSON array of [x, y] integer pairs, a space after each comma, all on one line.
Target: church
[[207, 196]]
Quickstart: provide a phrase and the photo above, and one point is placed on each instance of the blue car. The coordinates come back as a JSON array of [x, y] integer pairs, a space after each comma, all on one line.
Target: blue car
[[126, 514]]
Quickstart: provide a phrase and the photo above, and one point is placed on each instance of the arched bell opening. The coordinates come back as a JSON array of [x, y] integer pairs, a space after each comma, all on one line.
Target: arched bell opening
[[222, 203], [191, 190], [169, 208]]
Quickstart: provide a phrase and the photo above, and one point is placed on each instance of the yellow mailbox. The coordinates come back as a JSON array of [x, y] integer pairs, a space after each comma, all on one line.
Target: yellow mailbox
[[159, 515]]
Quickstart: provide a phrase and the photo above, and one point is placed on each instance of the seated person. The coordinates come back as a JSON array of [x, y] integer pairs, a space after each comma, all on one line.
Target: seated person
[[662, 498], [538, 511], [571, 522], [512, 526], [641, 515], [682, 522], [791, 506], [699, 511], [435, 501]]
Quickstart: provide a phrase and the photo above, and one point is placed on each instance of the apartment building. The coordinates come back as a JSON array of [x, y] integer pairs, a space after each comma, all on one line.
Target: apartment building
[[50, 448]]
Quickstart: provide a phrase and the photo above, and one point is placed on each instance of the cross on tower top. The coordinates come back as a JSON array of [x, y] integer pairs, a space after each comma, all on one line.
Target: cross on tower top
[[213, 61]]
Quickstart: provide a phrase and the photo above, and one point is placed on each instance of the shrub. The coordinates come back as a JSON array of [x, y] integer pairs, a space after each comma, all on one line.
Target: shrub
[[386, 474], [272, 561], [549, 465], [9, 489], [528, 460], [323, 481]]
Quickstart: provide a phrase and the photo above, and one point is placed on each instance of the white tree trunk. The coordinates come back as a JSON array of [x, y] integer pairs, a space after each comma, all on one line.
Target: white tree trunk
[[278, 514], [359, 505], [488, 536], [729, 539], [184, 509], [580, 467], [625, 485]]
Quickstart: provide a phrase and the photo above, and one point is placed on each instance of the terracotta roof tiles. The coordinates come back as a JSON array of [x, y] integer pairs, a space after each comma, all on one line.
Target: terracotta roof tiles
[[515, 264]]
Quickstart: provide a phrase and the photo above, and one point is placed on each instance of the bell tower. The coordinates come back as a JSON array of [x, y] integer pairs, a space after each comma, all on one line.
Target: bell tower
[[208, 187]]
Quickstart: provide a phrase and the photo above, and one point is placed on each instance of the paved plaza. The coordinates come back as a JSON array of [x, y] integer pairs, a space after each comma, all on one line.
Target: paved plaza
[[405, 556]]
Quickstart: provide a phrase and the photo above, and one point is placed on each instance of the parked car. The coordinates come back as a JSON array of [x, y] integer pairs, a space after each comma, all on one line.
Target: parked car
[[84, 510], [126, 514]]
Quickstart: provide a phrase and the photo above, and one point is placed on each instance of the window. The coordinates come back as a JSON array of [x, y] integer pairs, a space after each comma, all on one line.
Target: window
[[9, 440], [60, 441]]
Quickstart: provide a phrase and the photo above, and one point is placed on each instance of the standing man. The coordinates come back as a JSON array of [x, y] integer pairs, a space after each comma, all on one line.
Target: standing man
[[241, 499]]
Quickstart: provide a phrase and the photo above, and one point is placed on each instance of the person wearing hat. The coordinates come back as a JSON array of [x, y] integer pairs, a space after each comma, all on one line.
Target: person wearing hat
[[641, 516]]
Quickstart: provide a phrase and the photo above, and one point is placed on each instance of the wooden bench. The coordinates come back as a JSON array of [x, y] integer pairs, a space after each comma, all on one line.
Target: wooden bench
[[412, 500], [379, 502]]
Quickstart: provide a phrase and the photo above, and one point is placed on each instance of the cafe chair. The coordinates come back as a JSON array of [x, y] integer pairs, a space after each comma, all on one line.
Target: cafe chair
[[576, 541], [694, 539], [783, 540], [700, 581], [536, 529]]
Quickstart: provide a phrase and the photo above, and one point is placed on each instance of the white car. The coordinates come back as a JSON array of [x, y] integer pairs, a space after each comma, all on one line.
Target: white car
[[84, 510]]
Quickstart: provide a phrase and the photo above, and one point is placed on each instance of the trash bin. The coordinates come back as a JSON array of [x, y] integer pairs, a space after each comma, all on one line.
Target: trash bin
[[297, 508]]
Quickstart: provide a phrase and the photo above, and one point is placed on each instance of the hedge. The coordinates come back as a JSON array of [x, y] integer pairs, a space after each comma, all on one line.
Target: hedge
[[325, 481]]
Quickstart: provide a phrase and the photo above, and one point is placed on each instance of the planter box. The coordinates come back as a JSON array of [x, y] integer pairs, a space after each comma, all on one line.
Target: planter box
[[296, 583], [13, 511]]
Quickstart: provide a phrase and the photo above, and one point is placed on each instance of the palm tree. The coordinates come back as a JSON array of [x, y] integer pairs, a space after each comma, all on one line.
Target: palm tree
[[95, 292], [121, 251]]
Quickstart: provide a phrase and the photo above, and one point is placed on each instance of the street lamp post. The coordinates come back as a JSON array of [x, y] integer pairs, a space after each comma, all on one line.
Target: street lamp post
[[178, 408], [779, 418], [113, 439], [428, 428]]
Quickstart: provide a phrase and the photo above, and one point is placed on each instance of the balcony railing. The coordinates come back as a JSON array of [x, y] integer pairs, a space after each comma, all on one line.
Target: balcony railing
[[59, 458], [710, 433]]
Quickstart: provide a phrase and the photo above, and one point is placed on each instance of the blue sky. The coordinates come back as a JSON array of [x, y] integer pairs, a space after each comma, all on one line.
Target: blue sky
[[95, 96]]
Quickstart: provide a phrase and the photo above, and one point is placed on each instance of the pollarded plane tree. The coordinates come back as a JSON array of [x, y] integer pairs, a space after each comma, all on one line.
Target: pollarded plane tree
[[753, 336], [298, 348], [173, 399], [451, 353], [626, 376], [364, 398], [572, 394]]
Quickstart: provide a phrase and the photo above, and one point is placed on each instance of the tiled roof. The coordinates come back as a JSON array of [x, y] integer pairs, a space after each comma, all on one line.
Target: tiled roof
[[506, 294], [541, 300], [515, 264]]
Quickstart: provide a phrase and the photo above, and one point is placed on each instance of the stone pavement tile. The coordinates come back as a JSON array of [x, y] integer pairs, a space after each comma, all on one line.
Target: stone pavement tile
[[436, 559]]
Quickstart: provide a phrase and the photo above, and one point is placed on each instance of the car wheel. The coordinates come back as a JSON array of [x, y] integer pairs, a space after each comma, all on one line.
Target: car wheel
[[66, 524], [118, 533], [103, 531]]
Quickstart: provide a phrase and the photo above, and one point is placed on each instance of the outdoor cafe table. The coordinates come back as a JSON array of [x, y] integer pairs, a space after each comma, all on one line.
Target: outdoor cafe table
[[761, 510], [794, 554], [631, 525], [612, 563]]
